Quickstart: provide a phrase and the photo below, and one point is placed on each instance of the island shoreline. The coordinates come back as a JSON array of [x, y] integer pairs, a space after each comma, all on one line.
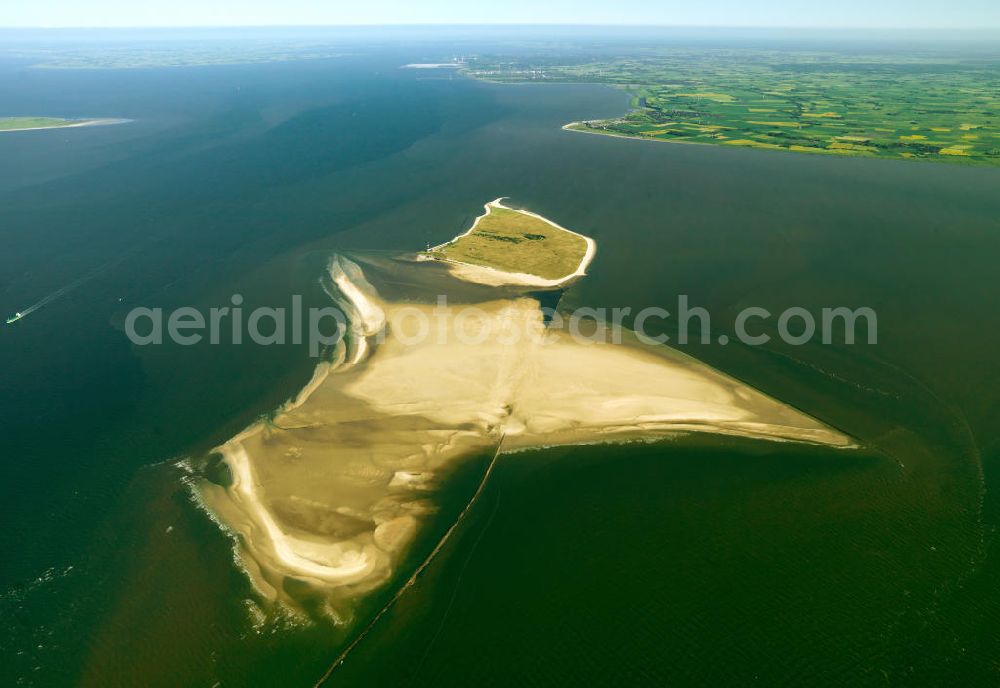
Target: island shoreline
[[106, 122], [484, 274]]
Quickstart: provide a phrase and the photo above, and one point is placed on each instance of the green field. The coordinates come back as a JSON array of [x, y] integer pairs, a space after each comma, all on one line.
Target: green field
[[15, 123], [513, 241], [890, 105]]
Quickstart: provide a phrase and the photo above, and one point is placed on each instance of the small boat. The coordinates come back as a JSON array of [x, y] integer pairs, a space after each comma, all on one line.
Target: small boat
[[14, 318]]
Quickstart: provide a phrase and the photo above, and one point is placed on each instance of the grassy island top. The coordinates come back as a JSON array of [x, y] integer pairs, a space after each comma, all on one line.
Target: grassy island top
[[515, 241], [16, 123]]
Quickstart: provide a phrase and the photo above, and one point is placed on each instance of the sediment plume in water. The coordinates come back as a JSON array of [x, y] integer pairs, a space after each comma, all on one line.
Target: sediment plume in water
[[332, 491]]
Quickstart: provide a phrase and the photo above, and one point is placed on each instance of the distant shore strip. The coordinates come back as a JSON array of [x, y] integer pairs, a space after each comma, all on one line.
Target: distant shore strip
[[103, 122]]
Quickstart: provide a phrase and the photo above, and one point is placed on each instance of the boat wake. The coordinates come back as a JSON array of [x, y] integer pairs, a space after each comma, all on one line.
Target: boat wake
[[64, 290]]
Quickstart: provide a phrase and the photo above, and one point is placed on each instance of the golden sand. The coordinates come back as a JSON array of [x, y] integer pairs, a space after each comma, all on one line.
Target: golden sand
[[332, 491]]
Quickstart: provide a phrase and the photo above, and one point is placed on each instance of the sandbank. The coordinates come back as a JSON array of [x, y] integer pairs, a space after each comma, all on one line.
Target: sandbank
[[332, 490]]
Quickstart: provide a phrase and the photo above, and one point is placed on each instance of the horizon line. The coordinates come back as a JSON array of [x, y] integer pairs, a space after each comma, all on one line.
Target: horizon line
[[622, 25]]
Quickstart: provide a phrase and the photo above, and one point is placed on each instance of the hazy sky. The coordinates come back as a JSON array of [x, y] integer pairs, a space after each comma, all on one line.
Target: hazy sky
[[841, 13]]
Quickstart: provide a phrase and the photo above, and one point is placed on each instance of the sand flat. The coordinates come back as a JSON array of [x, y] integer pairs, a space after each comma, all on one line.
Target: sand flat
[[333, 489]]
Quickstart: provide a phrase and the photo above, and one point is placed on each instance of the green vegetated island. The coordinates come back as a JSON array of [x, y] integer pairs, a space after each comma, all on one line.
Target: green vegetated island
[[23, 123], [930, 107], [516, 246], [33, 123]]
